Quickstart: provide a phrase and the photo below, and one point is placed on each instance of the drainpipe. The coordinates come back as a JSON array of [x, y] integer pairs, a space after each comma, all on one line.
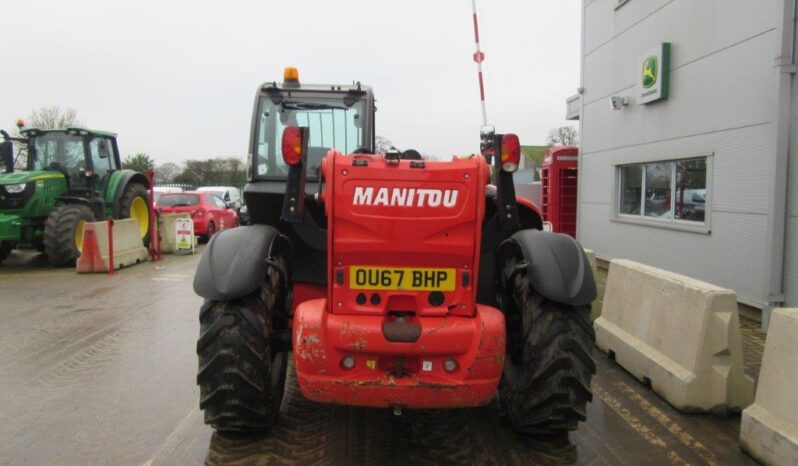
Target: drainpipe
[[777, 215], [581, 92]]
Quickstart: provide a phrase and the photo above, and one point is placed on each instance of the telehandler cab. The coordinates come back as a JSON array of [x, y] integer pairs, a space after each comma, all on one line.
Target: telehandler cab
[[392, 282]]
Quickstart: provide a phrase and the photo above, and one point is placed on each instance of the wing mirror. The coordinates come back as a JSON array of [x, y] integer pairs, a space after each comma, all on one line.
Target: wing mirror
[[103, 148]]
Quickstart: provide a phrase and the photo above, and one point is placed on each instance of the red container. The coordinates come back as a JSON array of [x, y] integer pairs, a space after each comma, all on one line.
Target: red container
[[558, 194]]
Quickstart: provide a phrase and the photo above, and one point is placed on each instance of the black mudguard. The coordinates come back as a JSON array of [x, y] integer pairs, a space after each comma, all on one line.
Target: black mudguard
[[557, 266], [235, 262]]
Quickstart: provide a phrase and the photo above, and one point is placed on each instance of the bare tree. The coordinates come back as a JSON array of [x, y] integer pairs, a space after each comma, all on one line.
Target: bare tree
[[382, 144], [53, 117], [166, 172], [563, 136]]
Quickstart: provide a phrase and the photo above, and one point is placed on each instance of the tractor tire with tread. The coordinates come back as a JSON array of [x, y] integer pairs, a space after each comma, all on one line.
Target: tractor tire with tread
[[241, 379], [60, 229], [549, 364], [126, 203]]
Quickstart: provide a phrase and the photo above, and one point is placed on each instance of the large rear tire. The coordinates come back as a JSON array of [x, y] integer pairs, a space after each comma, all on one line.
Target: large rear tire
[[242, 368], [135, 203], [549, 364], [63, 233]]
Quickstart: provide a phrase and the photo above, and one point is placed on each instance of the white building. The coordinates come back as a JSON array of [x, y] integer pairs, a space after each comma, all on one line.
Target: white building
[[693, 170]]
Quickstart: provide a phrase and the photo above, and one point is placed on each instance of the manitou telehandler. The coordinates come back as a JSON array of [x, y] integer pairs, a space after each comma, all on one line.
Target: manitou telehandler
[[392, 281]]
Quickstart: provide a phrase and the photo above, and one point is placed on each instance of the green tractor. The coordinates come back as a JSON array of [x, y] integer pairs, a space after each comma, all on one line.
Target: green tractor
[[73, 176]]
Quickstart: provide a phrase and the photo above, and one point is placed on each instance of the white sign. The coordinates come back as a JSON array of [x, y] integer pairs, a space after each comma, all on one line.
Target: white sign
[[184, 235]]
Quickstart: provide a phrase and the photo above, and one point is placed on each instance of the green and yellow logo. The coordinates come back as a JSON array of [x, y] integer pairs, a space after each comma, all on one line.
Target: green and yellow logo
[[650, 65]]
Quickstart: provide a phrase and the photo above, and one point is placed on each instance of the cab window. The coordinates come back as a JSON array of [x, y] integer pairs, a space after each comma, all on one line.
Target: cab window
[[332, 125], [102, 160], [219, 202]]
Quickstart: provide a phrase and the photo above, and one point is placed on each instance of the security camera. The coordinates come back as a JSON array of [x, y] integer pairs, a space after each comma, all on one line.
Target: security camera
[[618, 103]]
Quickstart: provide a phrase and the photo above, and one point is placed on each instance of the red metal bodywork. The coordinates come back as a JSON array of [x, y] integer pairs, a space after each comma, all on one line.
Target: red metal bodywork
[[391, 214], [558, 188]]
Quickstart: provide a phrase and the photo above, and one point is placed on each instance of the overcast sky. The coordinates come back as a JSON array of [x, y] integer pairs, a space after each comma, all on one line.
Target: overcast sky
[[177, 79]]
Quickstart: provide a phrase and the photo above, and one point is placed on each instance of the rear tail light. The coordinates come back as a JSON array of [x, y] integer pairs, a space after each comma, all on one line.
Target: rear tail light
[[511, 152], [292, 145], [197, 213]]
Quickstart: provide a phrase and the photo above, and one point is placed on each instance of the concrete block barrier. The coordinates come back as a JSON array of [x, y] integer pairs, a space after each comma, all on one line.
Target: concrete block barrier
[[679, 334], [128, 247], [168, 232], [769, 430]]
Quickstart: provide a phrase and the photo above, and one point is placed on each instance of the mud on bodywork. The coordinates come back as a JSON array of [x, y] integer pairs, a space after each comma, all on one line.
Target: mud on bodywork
[[322, 339]]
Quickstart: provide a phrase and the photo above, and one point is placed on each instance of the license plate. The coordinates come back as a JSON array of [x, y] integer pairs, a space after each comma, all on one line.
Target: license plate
[[401, 278]]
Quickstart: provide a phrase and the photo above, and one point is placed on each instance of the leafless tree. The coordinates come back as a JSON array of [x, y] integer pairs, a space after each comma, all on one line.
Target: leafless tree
[[563, 136], [53, 117], [382, 144], [166, 172]]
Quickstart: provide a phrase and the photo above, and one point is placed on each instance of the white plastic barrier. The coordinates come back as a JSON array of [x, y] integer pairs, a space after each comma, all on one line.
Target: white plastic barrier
[[769, 429], [169, 235], [127, 246], [680, 334]]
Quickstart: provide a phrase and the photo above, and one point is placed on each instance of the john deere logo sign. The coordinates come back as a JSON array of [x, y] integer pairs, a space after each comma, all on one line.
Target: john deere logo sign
[[654, 78], [650, 71]]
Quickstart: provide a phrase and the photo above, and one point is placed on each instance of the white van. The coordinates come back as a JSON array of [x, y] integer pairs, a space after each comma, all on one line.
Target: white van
[[230, 195]]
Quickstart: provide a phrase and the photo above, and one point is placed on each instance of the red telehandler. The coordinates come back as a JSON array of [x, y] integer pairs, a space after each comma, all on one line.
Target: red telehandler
[[392, 281]]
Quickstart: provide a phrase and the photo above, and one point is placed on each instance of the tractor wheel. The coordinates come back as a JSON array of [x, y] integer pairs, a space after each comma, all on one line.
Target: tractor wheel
[[63, 233], [135, 203], [549, 364], [241, 375], [5, 250]]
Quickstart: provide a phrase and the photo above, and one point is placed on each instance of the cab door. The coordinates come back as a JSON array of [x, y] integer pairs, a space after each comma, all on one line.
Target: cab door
[[102, 161]]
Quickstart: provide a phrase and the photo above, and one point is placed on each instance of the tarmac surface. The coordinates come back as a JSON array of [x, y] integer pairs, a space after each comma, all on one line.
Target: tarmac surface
[[101, 370]]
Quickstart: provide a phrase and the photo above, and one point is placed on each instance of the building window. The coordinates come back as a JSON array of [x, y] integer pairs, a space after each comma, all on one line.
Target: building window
[[669, 192]]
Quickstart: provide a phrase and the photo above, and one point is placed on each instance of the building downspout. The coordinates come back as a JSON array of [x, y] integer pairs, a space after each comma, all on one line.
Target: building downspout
[[581, 92], [777, 215]]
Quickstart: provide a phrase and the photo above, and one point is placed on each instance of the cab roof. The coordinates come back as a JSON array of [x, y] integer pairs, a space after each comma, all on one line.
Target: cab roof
[[71, 130], [355, 87]]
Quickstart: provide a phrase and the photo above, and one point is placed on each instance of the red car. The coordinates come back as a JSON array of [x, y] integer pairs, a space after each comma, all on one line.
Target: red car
[[209, 212]]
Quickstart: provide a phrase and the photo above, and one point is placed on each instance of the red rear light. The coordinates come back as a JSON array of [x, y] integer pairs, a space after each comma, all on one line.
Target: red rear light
[[197, 213], [511, 152], [292, 145]]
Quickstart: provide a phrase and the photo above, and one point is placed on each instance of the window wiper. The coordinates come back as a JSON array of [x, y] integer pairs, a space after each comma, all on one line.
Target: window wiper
[[310, 106]]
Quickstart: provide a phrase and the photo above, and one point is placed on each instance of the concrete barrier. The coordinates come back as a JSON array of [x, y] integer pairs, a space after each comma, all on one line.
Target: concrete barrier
[[128, 247], [769, 430], [167, 231], [595, 307], [679, 334]]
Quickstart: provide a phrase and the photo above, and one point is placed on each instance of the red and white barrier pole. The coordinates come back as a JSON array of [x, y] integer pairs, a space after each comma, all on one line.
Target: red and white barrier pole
[[110, 246], [158, 234], [155, 239], [479, 57]]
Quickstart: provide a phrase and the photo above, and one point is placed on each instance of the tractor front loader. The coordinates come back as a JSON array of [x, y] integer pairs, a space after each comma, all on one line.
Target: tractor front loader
[[391, 281]]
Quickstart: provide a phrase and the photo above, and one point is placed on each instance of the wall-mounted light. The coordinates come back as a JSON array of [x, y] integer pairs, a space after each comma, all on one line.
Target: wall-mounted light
[[618, 102]]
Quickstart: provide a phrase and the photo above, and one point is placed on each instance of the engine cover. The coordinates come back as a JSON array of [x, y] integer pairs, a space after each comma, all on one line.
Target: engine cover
[[403, 235]]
